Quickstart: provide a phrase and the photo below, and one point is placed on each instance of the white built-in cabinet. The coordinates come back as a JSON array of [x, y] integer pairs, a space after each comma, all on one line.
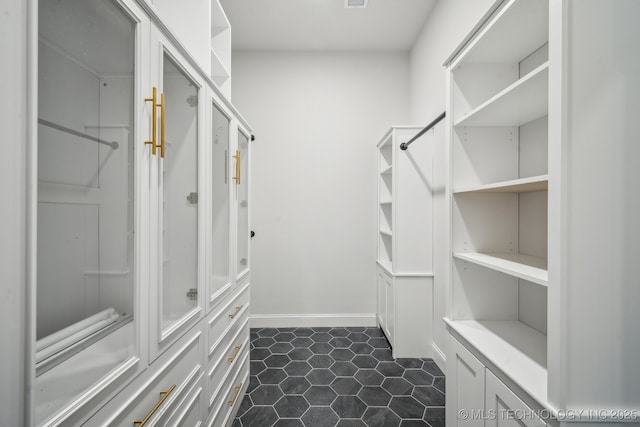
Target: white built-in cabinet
[[140, 218], [405, 278], [527, 289]]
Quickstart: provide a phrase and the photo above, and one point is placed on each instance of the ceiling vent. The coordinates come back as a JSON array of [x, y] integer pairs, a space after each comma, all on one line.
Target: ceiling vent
[[355, 4]]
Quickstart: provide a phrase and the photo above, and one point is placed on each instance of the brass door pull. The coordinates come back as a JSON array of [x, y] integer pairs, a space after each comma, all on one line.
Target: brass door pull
[[163, 396], [232, 316], [237, 157], [154, 122], [235, 396], [235, 354]]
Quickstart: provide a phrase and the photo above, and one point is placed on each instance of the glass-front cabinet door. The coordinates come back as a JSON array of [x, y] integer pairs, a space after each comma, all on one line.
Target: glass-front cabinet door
[[220, 279], [91, 209], [177, 214], [241, 179]]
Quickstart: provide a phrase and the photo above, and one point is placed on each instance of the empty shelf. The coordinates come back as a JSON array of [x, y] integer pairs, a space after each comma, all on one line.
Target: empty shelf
[[386, 232], [522, 185], [527, 267], [522, 102], [513, 347], [386, 171]]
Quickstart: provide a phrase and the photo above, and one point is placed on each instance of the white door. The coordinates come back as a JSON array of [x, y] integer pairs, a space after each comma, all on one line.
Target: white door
[[177, 188], [465, 387], [241, 181], [219, 256], [504, 409], [92, 204]]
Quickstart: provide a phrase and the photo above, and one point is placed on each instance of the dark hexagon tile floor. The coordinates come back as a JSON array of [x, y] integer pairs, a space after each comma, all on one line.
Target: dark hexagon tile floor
[[316, 377]]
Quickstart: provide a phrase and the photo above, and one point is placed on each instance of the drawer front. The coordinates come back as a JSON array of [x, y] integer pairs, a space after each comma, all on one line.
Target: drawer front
[[231, 395], [223, 320], [189, 413], [165, 385], [226, 362]]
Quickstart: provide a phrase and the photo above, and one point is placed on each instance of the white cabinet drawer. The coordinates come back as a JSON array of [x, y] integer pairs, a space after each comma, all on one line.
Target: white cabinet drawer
[[155, 396], [229, 399], [227, 361], [189, 411], [223, 320]]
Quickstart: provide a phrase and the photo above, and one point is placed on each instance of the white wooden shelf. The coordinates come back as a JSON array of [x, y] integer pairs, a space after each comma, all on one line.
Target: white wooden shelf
[[522, 102], [386, 171], [516, 349], [527, 267], [386, 232], [386, 202], [497, 43], [522, 185]]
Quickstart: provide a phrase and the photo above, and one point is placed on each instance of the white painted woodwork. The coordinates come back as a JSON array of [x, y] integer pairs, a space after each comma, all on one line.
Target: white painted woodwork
[[523, 266], [405, 283], [522, 185], [524, 101], [520, 352], [190, 25], [172, 340], [498, 142], [465, 386], [503, 408], [545, 202], [593, 205]]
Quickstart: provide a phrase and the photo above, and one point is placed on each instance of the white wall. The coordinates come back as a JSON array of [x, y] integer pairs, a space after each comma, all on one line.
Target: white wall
[[317, 118], [446, 26]]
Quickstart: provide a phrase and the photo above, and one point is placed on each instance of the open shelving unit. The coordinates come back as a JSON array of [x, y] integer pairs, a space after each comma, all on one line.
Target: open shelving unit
[[220, 48], [404, 241], [498, 141]]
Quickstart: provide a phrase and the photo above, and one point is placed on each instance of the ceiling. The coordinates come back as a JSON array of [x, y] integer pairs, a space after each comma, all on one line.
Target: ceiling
[[308, 25]]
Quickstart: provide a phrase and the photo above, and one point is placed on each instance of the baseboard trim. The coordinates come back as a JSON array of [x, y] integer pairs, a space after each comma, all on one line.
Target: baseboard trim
[[311, 320], [439, 357]]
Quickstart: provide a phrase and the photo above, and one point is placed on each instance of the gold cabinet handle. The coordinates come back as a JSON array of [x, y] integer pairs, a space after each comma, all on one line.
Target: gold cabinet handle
[[163, 396], [235, 396], [237, 157], [232, 358], [161, 105], [154, 122], [231, 316]]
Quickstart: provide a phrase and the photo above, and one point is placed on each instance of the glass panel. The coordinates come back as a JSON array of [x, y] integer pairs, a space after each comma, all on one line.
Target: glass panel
[[179, 195], [85, 211], [243, 204], [220, 269]]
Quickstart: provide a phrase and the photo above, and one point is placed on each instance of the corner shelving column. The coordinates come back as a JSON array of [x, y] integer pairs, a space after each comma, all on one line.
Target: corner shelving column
[[498, 142], [404, 234]]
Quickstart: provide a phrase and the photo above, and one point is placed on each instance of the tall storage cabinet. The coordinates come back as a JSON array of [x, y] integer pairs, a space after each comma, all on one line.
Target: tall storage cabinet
[[405, 278], [140, 258], [514, 149]]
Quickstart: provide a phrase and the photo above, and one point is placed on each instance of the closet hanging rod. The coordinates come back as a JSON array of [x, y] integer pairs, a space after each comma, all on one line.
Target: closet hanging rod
[[435, 121], [114, 145]]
